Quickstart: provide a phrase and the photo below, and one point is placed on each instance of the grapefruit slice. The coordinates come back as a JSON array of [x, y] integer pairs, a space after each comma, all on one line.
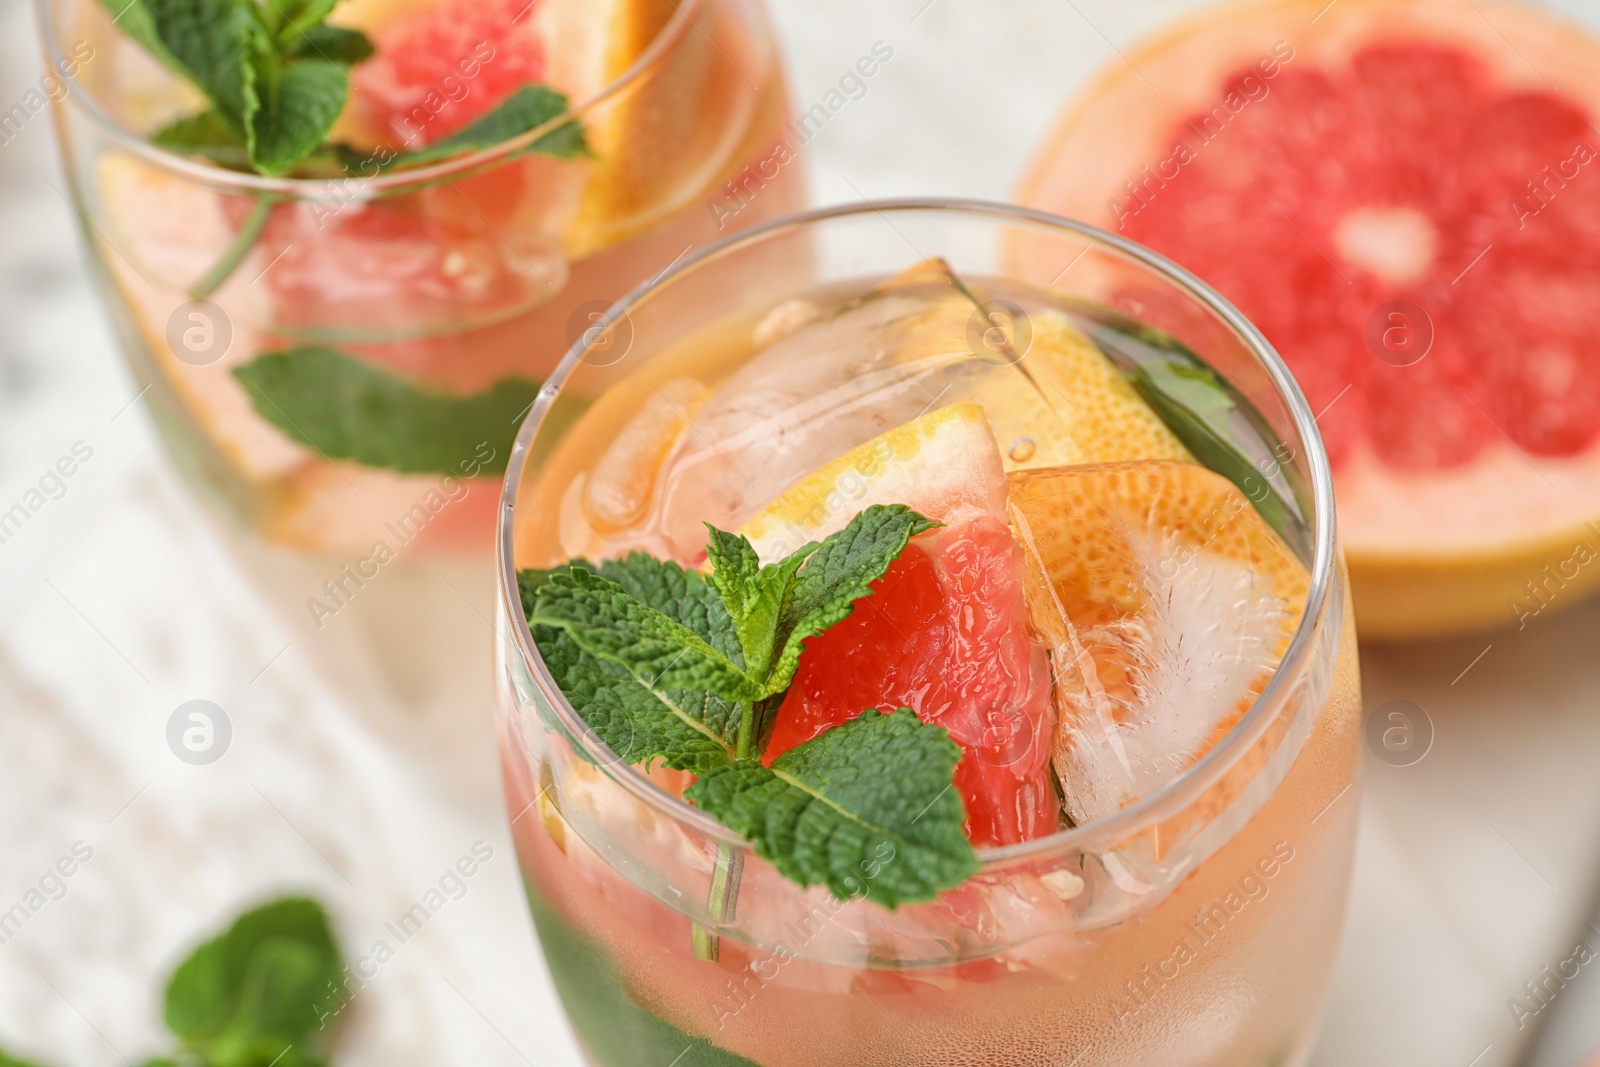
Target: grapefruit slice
[[658, 139], [437, 67], [1402, 194], [945, 631], [944, 464], [1167, 603]]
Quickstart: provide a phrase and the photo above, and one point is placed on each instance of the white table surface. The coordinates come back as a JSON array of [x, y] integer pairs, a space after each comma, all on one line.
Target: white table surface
[[122, 600]]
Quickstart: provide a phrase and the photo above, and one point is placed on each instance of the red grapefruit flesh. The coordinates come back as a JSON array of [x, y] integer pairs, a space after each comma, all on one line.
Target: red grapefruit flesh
[[1404, 196], [945, 633], [436, 69]]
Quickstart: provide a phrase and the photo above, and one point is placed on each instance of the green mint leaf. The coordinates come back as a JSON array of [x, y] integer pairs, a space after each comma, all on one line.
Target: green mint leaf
[[1213, 419], [636, 722], [299, 102], [138, 22], [336, 44], [689, 598], [294, 17], [205, 134], [271, 979], [8, 1060], [653, 682], [836, 574], [348, 409], [284, 997], [754, 596], [685, 596], [627, 715], [212, 43], [526, 109], [660, 652], [865, 809]]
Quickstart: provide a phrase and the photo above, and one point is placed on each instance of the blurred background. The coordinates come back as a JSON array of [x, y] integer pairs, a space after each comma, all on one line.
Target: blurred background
[[122, 601]]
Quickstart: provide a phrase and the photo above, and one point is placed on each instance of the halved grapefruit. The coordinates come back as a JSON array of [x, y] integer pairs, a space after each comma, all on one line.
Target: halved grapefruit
[[1403, 195]]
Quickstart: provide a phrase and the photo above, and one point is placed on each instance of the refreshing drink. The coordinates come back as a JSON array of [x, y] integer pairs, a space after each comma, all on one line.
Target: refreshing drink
[[343, 287], [907, 661]]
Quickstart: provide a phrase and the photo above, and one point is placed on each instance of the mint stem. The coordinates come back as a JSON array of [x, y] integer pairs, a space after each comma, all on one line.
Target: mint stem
[[723, 900], [245, 240], [724, 897]]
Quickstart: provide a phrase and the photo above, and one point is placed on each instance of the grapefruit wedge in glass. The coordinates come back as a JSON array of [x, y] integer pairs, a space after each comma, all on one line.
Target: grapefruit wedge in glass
[[1402, 195]]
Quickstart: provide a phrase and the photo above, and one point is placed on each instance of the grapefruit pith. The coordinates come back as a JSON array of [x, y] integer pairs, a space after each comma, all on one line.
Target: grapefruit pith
[[945, 630], [1402, 194], [1167, 602]]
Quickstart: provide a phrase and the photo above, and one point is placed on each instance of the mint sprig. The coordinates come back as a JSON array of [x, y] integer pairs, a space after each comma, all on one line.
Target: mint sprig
[[263, 993], [270, 91], [275, 77], [669, 664]]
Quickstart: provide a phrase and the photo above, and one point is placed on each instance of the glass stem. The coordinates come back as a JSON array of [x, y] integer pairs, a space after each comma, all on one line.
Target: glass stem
[[724, 897], [245, 240]]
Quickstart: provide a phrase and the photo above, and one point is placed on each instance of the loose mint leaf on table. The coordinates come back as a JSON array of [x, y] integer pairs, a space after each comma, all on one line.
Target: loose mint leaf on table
[[270, 982], [666, 663], [865, 809], [349, 409]]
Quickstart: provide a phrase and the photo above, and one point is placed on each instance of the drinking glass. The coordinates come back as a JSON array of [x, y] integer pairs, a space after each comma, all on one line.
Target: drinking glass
[[1202, 918], [414, 289]]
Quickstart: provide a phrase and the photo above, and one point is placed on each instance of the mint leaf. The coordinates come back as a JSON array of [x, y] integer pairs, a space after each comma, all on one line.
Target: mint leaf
[[336, 44], [661, 653], [526, 109], [638, 723], [684, 596], [837, 573], [865, 809], [283, 998], [1215, 421], [204, 134], [295, 17], [138, 22], [348, 409], [299, 102], [8, 1060], [210, 42], [650, 686], [753, 595], [271, 980]]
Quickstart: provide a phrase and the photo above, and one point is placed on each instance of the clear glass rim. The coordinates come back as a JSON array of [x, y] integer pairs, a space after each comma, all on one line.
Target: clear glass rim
[[310, 188], [1101, 834]]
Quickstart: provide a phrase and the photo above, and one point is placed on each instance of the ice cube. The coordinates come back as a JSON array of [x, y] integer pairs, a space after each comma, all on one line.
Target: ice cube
[[1166, 602]]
